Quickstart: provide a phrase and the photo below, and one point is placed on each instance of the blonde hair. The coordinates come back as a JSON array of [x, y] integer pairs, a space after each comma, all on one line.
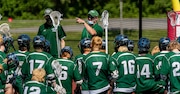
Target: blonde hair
[[155, 50], [123, 49], [38, 75], [1, 39], [173, 45], [1, 68], [96, 42]]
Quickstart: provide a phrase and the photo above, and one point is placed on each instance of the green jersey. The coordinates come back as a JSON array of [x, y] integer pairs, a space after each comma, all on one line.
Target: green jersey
[[4, 74], [34, 87], [170, 68], [37, 60], [98, 67], [21, 57], [68, 73], [145, 78], [81, 69], [96, 27], [158, 61], [126, 81], [2, 82], [49, 33], [2, 56]]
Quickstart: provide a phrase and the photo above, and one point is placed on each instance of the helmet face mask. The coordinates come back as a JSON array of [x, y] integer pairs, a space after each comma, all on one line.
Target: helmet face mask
[[130, 45], [143, 45], [24, 41], [47, 46], [163, 43], [12, 61], [67, 49], [84, 43], [120, 40], [39, 42], [7, 41]]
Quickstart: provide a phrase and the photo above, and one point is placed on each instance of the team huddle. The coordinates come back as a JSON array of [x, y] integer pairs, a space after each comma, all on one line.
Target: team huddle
[[93, 71], [48, 71]]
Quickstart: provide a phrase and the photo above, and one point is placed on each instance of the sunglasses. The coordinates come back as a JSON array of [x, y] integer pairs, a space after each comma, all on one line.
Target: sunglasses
[[90, 17]]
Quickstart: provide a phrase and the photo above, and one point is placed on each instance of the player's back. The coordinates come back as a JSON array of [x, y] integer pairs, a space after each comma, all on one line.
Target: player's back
[[158, 61], [34, 87], [22, 58], [37, 60], [69, 72], [97, 69], [144, 71], [126, 66], [172, 68]]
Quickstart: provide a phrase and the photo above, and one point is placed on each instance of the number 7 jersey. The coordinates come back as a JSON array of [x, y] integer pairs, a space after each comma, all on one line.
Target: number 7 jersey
[[98, 67]]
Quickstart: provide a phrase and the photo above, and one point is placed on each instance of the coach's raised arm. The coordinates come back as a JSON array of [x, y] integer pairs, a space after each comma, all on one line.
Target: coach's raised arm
[[91, 27]]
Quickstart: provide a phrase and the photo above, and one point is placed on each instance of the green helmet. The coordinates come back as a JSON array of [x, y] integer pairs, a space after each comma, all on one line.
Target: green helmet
[[47, 11], [93, 13]]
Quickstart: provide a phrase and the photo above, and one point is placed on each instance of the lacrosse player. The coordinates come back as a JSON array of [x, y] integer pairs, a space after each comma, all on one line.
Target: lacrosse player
[[2, 65], [125, 61], [163, 47], [69, 70], [170, 67], [91, 27], [13, 81], [85, 48], [48, 31], [98, 66], [36, 85], [24, 46], [145, 81], [40, 59]]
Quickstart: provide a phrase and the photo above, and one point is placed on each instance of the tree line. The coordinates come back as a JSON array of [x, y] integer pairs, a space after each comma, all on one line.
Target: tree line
[[34, 9]]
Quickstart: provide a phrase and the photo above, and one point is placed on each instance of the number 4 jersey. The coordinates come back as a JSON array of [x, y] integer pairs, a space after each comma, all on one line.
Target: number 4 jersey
[[145, 79]]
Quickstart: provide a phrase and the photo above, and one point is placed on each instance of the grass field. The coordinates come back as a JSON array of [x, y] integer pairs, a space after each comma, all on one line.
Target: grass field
[[73, 38]]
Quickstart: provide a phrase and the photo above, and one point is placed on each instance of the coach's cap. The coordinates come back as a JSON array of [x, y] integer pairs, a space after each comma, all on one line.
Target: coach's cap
[[93, 13], [47, 11]]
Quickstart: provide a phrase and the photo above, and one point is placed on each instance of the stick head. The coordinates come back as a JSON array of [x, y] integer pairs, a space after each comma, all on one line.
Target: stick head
[[172, 16], [56, 18], [104, 18], [4, 29]]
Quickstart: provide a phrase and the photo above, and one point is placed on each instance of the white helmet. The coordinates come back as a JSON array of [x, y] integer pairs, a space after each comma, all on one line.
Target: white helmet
[[47, 11]]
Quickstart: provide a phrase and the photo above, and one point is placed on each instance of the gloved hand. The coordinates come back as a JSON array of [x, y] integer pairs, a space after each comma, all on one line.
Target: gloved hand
[[60, 89]]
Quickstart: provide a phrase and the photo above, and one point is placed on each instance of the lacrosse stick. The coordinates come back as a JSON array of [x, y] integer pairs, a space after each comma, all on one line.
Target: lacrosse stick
[[172, 17], [4, 29], [56, 18], [104, 19], [57, 70]]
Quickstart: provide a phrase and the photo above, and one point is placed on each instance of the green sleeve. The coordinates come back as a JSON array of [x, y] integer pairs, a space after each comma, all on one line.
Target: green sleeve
[[61, 32]]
